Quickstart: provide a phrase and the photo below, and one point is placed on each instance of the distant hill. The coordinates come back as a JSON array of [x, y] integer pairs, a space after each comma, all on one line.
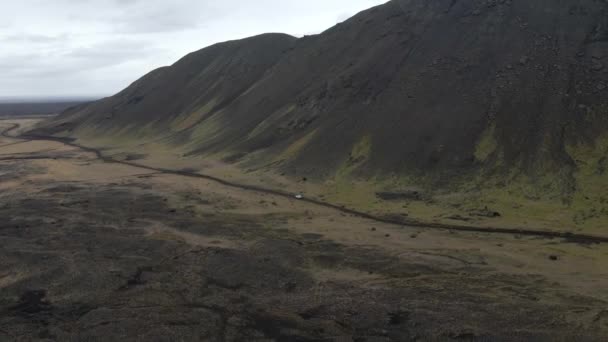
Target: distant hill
[[460, 95], [35, 108]]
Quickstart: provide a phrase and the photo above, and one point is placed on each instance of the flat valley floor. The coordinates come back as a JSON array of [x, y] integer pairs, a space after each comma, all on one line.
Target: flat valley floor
[[97, 251]]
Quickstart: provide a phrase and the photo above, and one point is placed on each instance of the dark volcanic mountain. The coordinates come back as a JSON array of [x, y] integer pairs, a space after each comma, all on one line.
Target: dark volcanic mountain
[[409, 87]]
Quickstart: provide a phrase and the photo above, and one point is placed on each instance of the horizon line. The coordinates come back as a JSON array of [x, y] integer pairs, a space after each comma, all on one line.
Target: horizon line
[[49, 99]]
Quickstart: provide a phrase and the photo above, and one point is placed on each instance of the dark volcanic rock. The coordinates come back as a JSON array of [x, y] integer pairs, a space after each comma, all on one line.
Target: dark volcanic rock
[[32, 302], [76, 266]]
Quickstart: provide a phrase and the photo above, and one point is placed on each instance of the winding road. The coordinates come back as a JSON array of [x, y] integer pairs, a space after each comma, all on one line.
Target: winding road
[[567, 236]]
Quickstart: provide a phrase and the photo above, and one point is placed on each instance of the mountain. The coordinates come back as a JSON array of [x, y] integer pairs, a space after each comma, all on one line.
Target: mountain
[[464, 95]]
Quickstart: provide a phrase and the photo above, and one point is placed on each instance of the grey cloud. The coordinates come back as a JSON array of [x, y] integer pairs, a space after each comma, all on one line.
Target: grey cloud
[[77, 60], [148, 17], [158, 20], [115, 50], [81, 47], [34, 38]]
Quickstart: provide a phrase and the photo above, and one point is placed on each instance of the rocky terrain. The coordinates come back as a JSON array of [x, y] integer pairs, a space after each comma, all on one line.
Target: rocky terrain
[[97, 250]]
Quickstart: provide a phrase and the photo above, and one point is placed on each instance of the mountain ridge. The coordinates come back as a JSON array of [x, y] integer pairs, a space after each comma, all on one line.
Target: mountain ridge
[[456, 95]]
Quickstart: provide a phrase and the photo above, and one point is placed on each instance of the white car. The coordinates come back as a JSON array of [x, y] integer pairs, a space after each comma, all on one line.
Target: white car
[[299, 196]]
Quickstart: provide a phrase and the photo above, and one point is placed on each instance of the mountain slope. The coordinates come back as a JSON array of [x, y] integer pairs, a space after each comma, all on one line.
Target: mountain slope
[[167, 96], [443, 92]]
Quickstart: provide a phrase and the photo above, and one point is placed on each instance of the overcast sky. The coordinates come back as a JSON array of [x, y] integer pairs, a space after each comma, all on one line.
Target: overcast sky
[[97, 47]]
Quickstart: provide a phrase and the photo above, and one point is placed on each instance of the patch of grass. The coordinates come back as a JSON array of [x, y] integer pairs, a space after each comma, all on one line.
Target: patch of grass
[[590, 201], [205, 131], [119, 135], [271, 121], [292, 150], [522, 201], [487, 144], [362, 149], [359, 154], [189, 119]]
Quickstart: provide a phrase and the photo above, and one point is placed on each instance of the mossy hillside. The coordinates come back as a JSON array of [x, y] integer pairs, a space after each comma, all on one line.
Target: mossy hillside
[[487, 144], [205, 131], [272, 122], [523, 200], [590, 201], [120, 136], [359, 155], [188, 119], [550, 198], [291, 152]]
